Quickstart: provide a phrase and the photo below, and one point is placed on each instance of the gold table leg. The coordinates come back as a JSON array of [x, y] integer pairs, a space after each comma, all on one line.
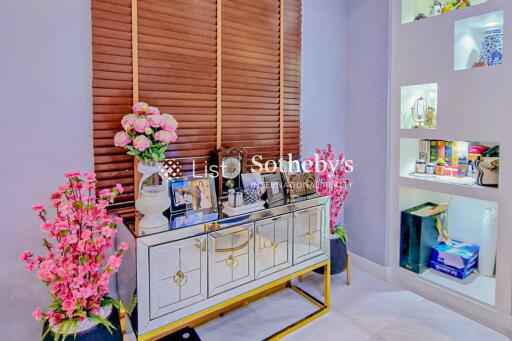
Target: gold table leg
[[348, 270]]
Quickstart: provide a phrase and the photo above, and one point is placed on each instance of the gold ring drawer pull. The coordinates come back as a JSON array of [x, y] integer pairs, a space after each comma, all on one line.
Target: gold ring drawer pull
[[309, 235], [232, 262], [179, 279], [274, 246]]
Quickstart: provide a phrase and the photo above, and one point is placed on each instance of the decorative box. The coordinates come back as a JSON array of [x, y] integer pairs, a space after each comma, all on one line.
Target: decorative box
[[455, 258], [418, 235]]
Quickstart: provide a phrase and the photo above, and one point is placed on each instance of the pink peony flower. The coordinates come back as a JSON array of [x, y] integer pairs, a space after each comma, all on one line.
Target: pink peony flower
[[164, 136], [122, 139], [140, 124], [37, 314], [168, 123], [140, 108], [114, 262], [123, 246], [38, 207], [155, 120], [90, 176], [153, 111], [141, 143], [128, 121]]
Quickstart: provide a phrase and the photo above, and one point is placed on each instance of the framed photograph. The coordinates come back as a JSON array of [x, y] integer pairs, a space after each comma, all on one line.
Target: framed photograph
[[181, 195], [254, 181], [310, 183], [193, 194], [274, 187], [295, 185]]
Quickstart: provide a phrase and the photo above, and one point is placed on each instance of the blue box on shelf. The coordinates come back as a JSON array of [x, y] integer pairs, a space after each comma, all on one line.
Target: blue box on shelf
[[454, 258]]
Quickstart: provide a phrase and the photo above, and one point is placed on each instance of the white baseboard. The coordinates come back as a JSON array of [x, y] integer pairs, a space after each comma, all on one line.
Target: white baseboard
[[369, 266]]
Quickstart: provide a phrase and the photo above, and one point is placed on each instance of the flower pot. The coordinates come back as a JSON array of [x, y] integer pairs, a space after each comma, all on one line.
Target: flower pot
[[339, 257], [153, 197], [89, 331]]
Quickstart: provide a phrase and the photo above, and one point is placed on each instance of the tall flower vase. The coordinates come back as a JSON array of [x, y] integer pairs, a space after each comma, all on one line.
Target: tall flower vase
[[153, 197], [492, 47]]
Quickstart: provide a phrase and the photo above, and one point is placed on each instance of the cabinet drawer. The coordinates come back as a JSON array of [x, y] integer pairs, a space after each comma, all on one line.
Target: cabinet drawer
[[177, 274], [273, 245], [307, 234], [230, 258]]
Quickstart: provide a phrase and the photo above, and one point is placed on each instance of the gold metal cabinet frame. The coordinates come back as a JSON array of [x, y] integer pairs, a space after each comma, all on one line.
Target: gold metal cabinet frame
[[206, 315]]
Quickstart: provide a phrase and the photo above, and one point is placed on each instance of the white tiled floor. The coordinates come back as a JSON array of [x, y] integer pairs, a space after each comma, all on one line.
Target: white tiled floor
[[370, 309]]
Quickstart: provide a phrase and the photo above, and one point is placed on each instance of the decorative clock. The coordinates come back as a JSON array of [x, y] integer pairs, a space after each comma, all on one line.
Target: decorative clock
[[232, 163]]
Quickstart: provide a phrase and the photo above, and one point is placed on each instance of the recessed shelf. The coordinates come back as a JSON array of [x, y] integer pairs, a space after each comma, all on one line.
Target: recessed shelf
[[413, 10], [446, 162], [418, 109], [475, 286], [478, 41], [468, 221]]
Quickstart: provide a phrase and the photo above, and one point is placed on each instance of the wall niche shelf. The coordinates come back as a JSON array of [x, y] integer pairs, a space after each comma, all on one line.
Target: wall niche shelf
[[442, 161], [413, 10], [418, 109], [468, 222], [478, 41]]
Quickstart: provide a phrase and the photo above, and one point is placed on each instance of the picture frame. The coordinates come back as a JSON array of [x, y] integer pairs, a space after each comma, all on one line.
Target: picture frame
[[310, 183], [193, 194], [275, 188], [295, 185], [254, 181]]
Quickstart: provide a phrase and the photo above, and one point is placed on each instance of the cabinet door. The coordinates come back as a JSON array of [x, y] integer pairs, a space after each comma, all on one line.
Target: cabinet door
[[230, 258], [273, 245], [177, 274], [307, 234]]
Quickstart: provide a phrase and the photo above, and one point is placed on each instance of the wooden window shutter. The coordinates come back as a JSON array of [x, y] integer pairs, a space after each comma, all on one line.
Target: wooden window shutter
[[292, 77], [112, 90], [221, 74], [177, 43], [251, 76]]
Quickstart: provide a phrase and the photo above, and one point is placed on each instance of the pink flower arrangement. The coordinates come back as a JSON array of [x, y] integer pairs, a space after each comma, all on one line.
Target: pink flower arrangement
[[75, 267], [147, 133], [330, 173]]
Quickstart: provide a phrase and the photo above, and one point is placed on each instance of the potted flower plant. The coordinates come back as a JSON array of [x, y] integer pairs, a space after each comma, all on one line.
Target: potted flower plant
[[76, 268], [146, 136], [330, 173]]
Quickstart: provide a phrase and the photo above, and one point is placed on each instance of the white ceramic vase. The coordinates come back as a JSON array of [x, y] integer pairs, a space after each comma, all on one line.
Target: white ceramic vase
[[153, 197], [488, 240]]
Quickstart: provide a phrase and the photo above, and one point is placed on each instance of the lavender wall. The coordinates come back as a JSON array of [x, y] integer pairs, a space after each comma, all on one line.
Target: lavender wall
[[366, 121], [323, 74], [46, 130]]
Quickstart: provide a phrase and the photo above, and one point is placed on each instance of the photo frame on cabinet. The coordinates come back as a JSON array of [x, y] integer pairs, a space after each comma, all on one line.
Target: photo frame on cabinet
[[193, 194], [295, 185], [275, 188]]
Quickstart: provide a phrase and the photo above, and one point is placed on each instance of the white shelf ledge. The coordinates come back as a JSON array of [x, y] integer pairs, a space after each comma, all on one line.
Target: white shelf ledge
[[474, 286]]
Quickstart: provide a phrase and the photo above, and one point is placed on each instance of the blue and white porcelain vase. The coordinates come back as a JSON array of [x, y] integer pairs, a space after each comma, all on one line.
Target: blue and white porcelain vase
[[492, 47]]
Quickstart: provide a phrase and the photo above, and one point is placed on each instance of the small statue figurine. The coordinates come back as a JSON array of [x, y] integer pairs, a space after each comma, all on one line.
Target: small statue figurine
[[437, 8]]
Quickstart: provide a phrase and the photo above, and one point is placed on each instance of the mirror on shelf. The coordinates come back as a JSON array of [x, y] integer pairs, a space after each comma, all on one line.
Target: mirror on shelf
[[414, 10], [479, 41], [418, 109]]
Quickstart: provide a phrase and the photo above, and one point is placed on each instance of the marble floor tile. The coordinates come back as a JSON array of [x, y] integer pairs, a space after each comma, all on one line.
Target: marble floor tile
[[430, 321], [372, 302]]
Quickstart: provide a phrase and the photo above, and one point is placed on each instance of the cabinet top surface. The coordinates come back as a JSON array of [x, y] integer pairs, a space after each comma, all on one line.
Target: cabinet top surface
[[210, 221]]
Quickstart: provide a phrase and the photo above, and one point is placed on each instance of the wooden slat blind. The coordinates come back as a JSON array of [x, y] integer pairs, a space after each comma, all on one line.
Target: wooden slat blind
[[250, 76], [292, 80], [178, 71], [112, 90], [178, 61]]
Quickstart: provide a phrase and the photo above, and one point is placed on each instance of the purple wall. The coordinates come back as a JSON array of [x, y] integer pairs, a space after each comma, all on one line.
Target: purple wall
[[366, 121], [46, 130], [323, 74]]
